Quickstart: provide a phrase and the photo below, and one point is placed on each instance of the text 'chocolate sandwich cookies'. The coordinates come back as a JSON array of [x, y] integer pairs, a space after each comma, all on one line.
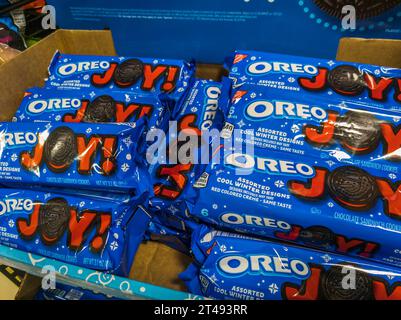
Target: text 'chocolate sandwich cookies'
[[230, 267], [323, 204], [85, 231], [88, 156], [317, 77], [91, 106]]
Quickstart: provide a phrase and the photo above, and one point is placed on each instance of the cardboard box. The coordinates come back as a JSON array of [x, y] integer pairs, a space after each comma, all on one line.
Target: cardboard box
[[154, 263]]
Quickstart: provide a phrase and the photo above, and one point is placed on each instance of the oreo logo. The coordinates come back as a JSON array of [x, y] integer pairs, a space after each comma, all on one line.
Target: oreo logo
[[15, 205], [262, 109], [11, 139], [263, 67], [236, 265], [211, 104], [71, 68], [238, 219], [269, 166], [39, 106]]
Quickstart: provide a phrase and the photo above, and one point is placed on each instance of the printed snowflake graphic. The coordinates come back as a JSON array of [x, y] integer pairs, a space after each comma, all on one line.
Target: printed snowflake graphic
[[82, 203], [331, 63], [236, 69], [155, 61], [223, 248], [14, 119], [58, 118], [326, 258], [330, 163], [330, 93], [331, 204], [295, 128], [291, 80], [125, 167], [11, 223], [377, 72], [92, 94], [390, 277], [48, 126], [253, 95], [253, 58], [44, 171], [241, 124], [86, 77], [243, 78], [114, 246], [173, 209], [194, 109], [128, 156], [115, 235], [14, 157], [52, 78], [180, 90], [273, 288], [279, 184], [215, 206], [128, 142], [392, 176], [22, 117], [127, 98], [89, 130]]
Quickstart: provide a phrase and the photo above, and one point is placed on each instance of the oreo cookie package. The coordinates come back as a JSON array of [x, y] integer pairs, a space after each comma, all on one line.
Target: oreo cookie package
[[139, 75], [87, 156], [97, 234], [316, 202], [233, 268], [317, 77], [330, 129], [76, 106]]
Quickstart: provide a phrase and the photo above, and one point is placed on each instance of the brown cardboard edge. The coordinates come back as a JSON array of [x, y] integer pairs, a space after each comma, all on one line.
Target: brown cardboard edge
[[28, 288], [382, 52]]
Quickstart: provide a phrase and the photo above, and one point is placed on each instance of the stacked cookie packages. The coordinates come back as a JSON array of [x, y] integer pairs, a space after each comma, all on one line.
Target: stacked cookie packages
[[323, 174], [74, 176]]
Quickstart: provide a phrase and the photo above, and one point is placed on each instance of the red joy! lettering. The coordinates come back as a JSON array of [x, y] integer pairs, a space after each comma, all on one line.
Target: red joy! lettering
[[308, 290], [88, 148], [391, 142], [323, 135], [151, 75], [80, 226]]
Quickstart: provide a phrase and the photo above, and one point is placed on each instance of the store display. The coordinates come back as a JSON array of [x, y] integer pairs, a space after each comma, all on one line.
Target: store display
[[88, 232], [232, 267]]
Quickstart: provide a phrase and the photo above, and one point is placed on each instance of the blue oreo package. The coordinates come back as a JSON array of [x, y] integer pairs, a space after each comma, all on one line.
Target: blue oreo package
[[86, 156], [202, 110], [97, 234], [344, 206], [140, 75], [294, 75], [74, 106], [65, 292], [330, 129], [234, 268]]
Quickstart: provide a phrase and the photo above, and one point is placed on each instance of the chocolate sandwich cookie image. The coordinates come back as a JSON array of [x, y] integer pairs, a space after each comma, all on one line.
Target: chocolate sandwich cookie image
[[128, 72], [353, 188], [346, 80], [365, 9], [346, 282], [102, 109], [53, 219], [359, 132], [60, 149], [317, 236]]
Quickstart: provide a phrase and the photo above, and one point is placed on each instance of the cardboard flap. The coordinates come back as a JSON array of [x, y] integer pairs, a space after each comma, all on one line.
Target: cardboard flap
[[29, 68], [380, 52]]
